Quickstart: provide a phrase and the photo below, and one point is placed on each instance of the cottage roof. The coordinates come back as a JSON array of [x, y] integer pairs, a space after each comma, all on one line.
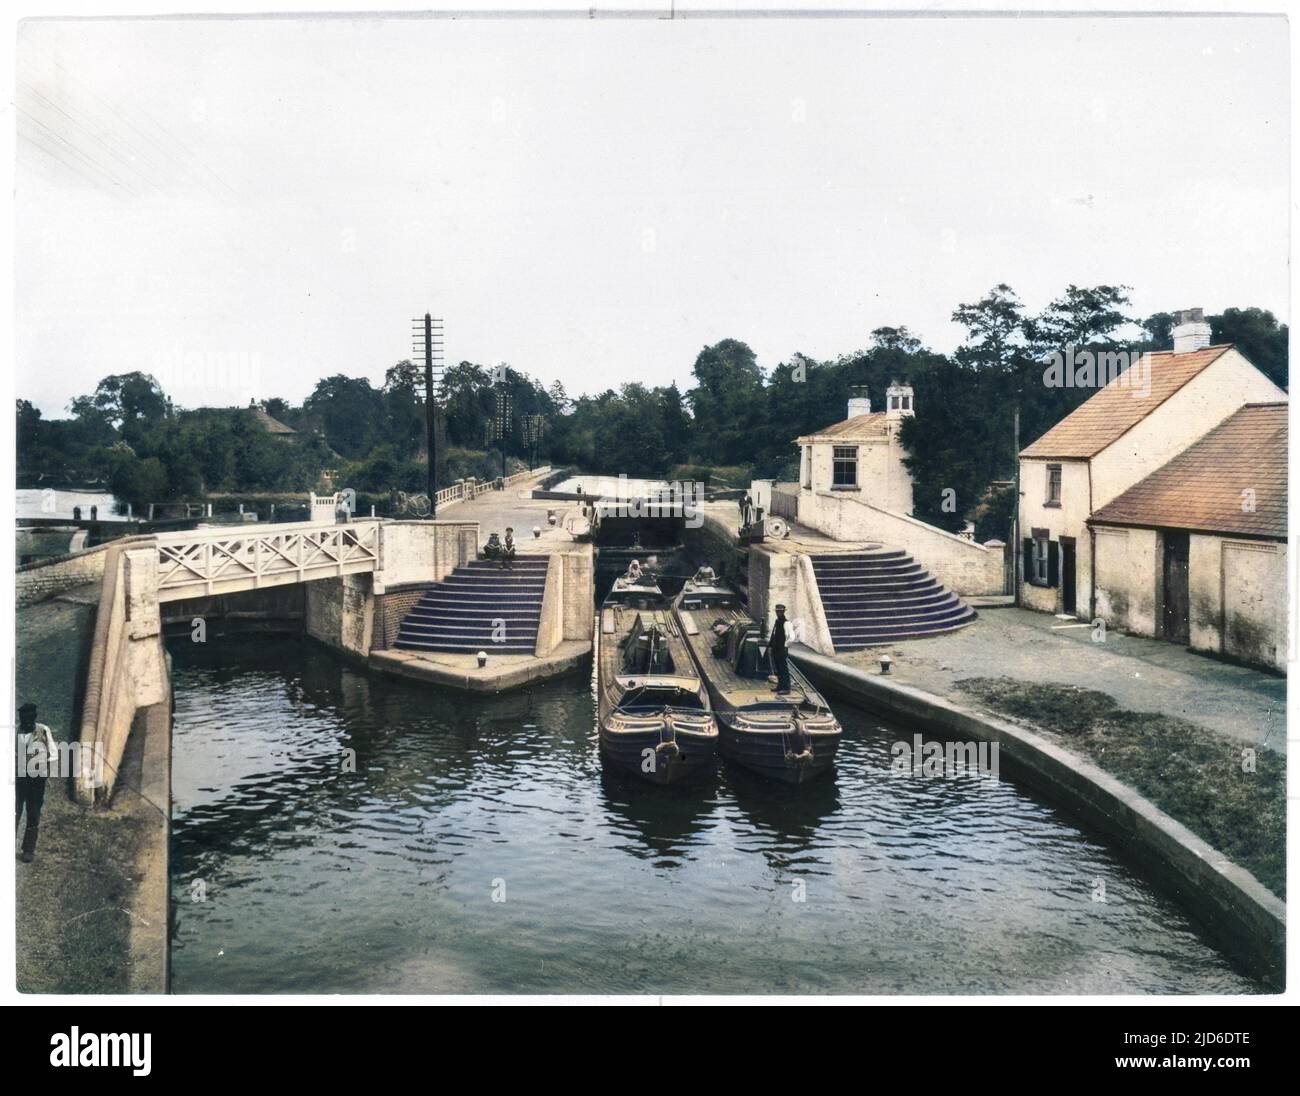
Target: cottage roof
[[1118, 407], [1205, 488], [870, 427], [269, 424]]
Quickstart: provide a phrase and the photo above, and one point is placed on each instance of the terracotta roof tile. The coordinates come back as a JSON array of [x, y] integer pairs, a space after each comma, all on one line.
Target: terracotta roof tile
[[1092, 426], [1203, 488]]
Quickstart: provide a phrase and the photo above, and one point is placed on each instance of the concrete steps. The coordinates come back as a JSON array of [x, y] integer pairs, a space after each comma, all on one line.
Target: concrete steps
[[479, 607], [875, 598]]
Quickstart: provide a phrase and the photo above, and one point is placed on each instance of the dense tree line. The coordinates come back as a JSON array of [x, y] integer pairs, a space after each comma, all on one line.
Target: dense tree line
[[735, 421], [127, 436]]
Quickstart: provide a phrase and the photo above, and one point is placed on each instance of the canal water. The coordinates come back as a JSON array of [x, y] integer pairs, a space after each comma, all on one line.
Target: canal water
[[476, 846]]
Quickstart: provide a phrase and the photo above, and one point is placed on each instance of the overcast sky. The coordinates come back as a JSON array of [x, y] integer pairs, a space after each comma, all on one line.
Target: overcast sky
[[594, 201]]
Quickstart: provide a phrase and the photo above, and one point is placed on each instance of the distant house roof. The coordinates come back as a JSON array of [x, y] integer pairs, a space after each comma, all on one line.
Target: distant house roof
[[1203, 489], [269, 424], [1113, 411], [869, 427], [260, 417]]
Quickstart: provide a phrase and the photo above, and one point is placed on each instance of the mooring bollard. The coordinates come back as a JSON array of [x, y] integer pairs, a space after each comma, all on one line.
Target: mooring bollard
[[885, 663]]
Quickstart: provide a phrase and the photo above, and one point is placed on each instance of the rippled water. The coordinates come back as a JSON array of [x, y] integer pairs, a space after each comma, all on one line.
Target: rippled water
[[383, 879]]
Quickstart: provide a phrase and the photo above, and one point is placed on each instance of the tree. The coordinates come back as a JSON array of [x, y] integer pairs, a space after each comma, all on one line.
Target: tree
[[727, 401], [1081, 317], [895, 338], [559, 398], [1255, 332], [1260, 338], [137, 481], [995, 330], [404, 426], [349, 411], [675, 424], [124, 400]]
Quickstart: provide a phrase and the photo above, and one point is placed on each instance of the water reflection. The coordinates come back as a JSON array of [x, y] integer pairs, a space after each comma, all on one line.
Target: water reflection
[[354, 834], [661, 825]]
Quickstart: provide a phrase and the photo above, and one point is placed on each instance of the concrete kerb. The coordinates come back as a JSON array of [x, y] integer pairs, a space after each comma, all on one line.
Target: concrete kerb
[[1246, 919]]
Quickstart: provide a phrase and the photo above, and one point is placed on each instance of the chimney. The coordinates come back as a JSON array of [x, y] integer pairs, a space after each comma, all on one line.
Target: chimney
[[1190, 331], [898, 400], [859, 404]]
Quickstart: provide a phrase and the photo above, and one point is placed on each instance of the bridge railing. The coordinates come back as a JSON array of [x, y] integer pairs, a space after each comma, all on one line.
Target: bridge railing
[[214, 561], [469, 489]]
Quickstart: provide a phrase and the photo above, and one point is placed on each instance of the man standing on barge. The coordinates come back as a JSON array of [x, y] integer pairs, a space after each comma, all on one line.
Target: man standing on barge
[[776, 647]]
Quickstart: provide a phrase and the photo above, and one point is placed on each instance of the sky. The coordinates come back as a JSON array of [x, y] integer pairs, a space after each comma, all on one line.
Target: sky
[[242, 207]]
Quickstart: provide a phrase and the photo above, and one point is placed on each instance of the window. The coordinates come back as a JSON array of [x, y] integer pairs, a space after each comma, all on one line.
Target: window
[[1039, 560], [893, 403], [1042, 559], [807, 467], [1053, 485], [907, 403], [845, 466]]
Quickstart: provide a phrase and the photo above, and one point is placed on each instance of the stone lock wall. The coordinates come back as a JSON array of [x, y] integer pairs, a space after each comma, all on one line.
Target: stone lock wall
[[961, 565], [390, 609], [567, 601], [782, 578], [340, 613], [127, 668], [46, 578]]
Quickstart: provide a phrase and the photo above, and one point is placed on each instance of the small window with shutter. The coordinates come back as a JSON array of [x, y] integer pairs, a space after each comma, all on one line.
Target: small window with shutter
[[1042, 559]]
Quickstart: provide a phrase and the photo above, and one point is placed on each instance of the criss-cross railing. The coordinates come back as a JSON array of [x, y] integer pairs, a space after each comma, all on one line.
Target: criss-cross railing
[[195, 564]]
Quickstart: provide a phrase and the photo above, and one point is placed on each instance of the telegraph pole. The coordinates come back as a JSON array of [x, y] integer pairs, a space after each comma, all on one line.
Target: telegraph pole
[[1015, 519], [430, 341], [504, 417]]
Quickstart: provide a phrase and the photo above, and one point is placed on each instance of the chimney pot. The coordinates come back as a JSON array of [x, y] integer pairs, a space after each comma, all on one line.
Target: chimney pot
[[1190, 331], [899, 401], [859, 403]]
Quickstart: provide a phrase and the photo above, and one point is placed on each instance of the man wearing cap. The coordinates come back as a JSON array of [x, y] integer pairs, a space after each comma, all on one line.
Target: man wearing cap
[[37, 757], [776, 645]]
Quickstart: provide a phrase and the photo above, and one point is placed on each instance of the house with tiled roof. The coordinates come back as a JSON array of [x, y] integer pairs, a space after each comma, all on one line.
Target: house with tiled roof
[[272, 425], [855, 487], [1196, 552], [1134, 424], [258, 417], [861, 455]]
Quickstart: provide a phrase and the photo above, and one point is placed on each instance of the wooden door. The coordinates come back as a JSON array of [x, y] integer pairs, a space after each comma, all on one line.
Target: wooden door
[[1175, 587], [1068, 597]]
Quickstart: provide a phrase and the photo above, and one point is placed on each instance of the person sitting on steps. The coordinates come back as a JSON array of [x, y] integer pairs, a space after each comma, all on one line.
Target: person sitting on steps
[[508, 550]]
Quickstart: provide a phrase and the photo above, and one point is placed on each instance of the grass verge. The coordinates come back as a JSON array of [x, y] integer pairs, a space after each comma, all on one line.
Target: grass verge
[[1234, 800]]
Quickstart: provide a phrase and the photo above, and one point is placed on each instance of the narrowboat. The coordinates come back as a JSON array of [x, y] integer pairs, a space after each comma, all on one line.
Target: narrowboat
[[652, 707], [790, 736]]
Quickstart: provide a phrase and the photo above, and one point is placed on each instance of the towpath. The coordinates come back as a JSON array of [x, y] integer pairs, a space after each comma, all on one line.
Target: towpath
[[1145, 675]]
